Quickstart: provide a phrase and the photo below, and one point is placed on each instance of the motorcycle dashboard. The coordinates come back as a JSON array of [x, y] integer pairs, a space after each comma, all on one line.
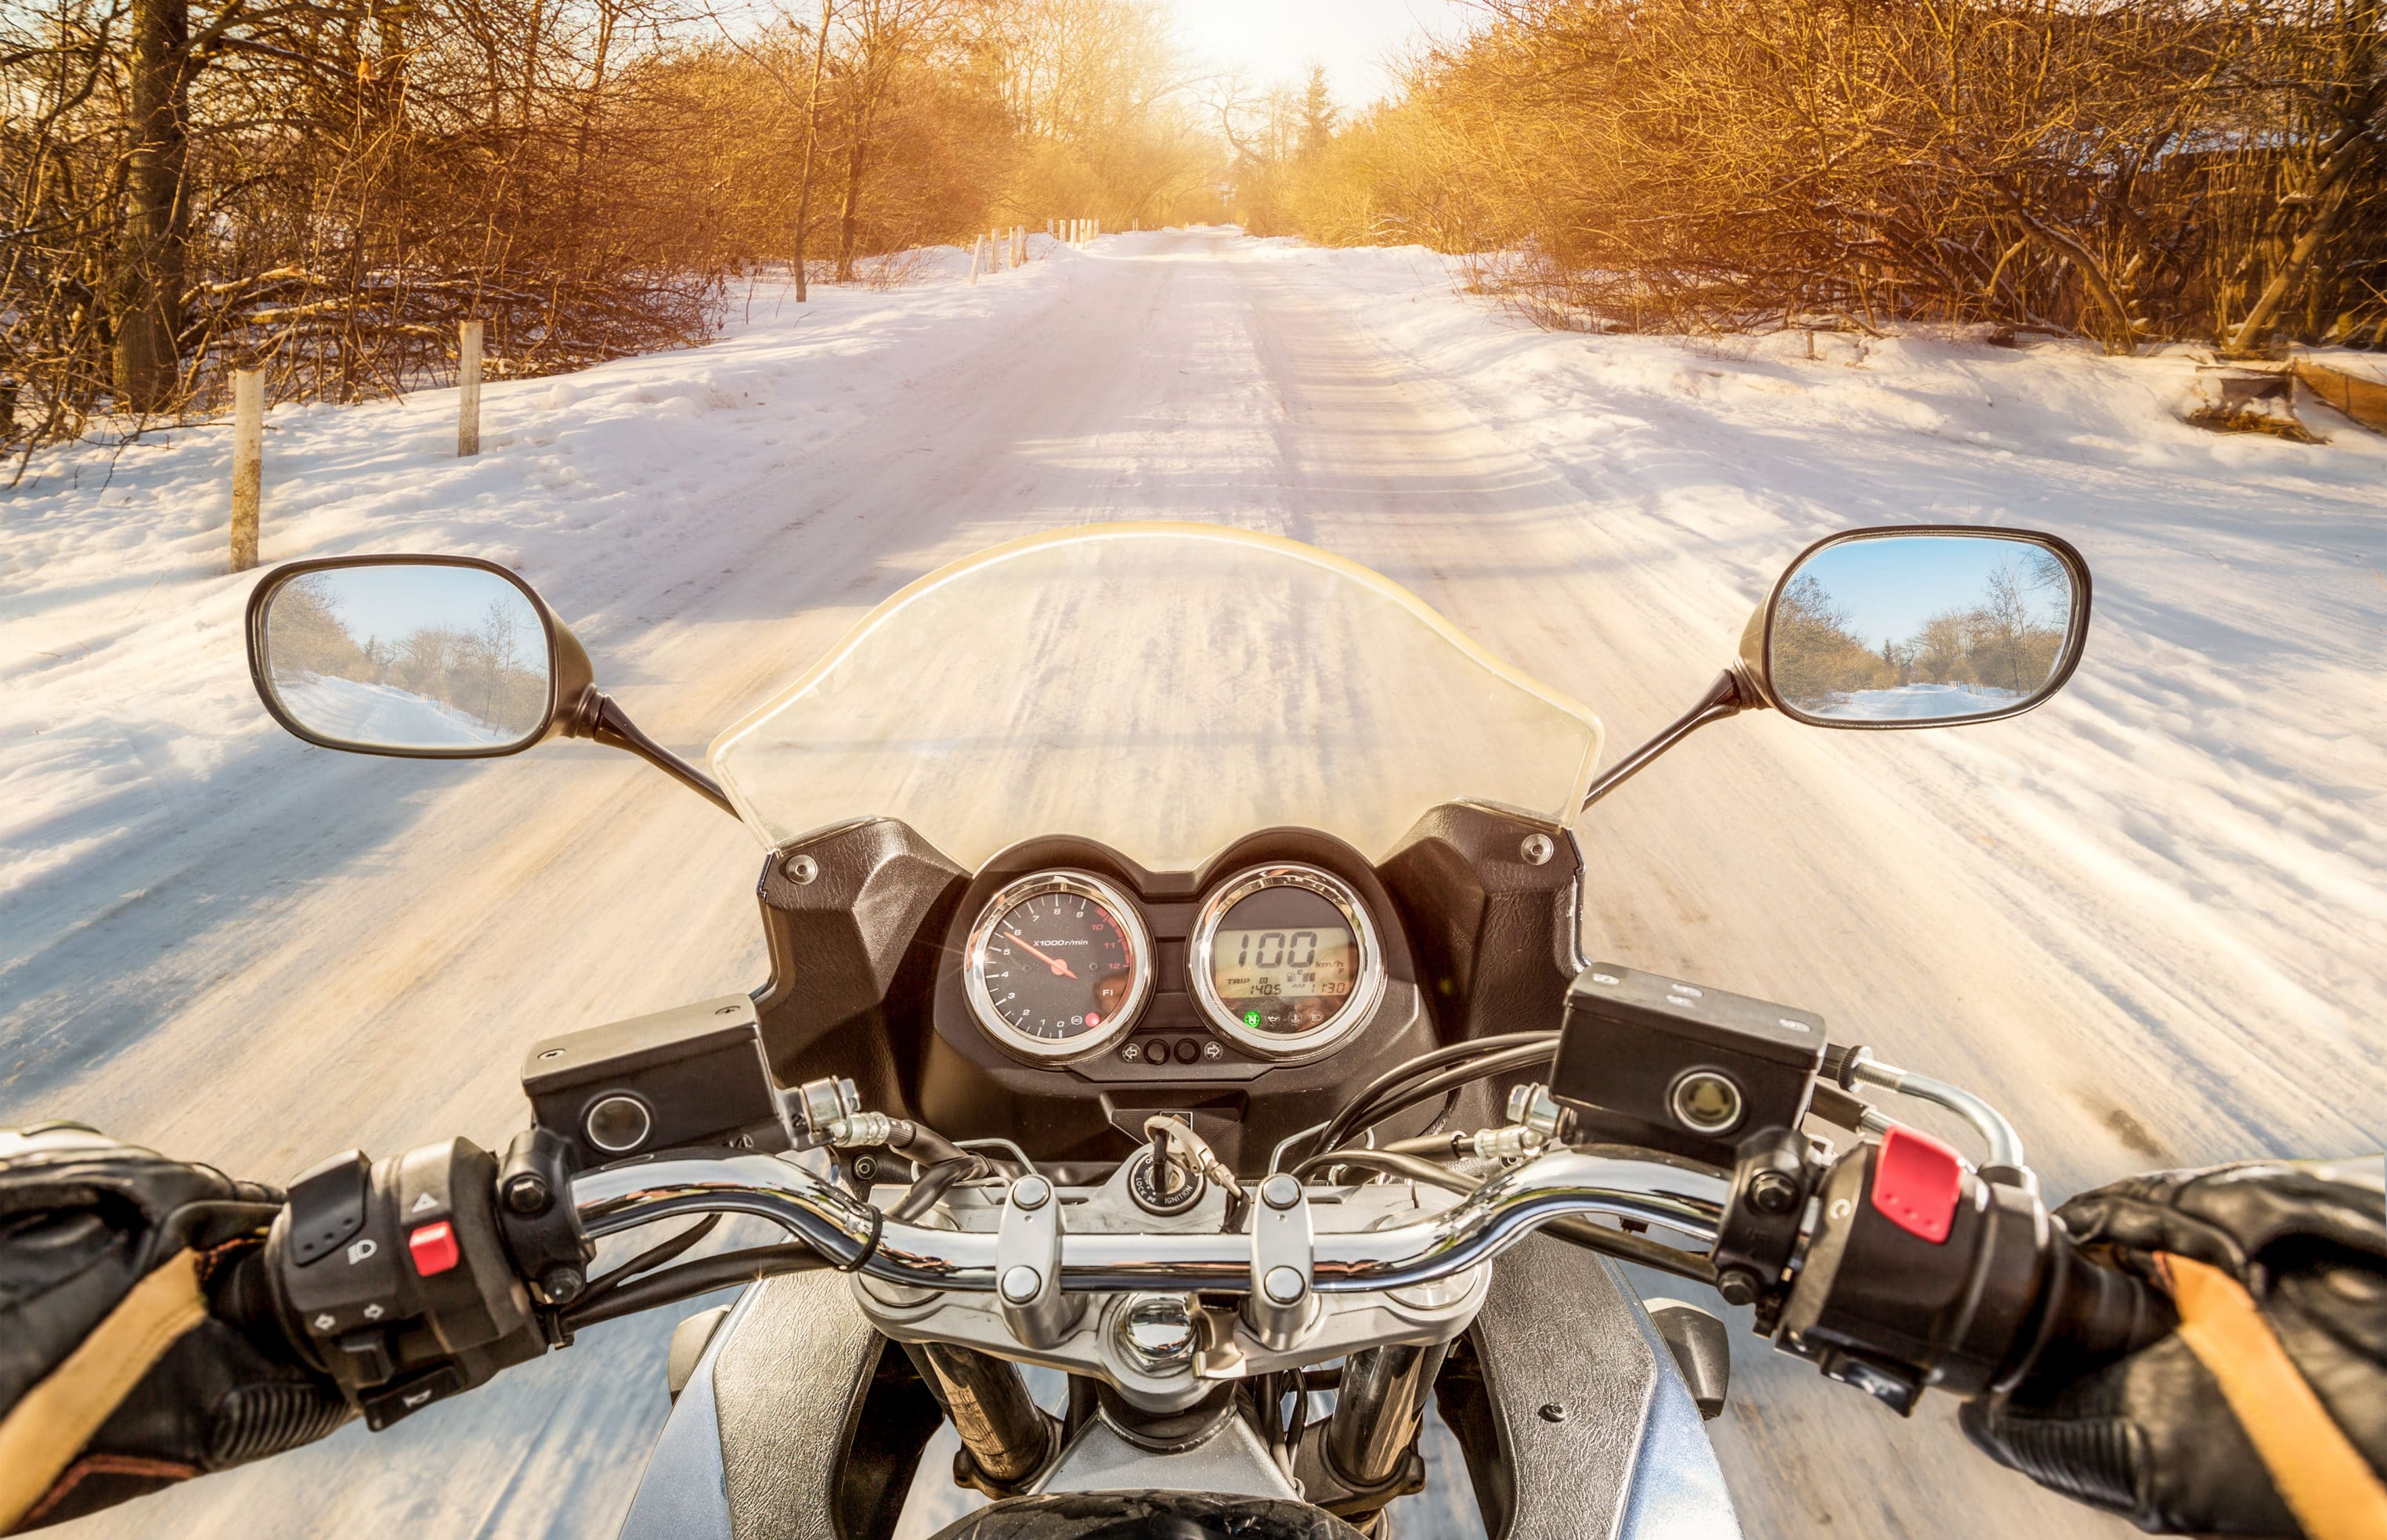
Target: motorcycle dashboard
[[1066, 959]]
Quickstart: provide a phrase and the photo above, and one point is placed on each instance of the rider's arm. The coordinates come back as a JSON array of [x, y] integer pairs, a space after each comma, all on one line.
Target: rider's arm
[[2265, 1413], [139, 1344]]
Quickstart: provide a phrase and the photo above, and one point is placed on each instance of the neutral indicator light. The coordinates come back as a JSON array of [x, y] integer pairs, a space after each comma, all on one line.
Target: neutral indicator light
[[1252, 1019]]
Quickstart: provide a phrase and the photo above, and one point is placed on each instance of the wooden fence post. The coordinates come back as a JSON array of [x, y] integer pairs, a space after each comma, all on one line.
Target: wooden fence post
[[247, 462], [468, 388]]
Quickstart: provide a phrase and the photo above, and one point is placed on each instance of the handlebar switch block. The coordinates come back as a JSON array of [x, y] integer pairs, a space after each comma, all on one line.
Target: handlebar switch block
[[392, 1276], [1682, 1067], [1901, 1289]]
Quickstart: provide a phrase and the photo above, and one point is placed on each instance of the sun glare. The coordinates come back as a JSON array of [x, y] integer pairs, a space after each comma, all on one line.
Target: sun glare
[[1271, 41]]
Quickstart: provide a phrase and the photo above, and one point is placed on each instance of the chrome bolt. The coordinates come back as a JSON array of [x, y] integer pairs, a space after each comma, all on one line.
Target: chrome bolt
[[1159, 1333], [1022, 1285], [1280, 1191], [1553, 1412], [1031, 1192], [1283, 1285], [801, 869], [1537, 850]]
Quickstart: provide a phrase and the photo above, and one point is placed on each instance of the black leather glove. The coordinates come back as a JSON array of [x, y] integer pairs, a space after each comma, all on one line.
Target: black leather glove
[[2264, 1413], [139, 1344]]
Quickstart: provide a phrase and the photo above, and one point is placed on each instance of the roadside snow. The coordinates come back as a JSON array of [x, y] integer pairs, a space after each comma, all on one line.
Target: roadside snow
[[1913, 702], [116, 614], [362, 713]]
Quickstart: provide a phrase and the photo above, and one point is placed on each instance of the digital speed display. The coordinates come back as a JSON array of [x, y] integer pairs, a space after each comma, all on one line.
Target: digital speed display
[[1316, 960], [1285, 960]]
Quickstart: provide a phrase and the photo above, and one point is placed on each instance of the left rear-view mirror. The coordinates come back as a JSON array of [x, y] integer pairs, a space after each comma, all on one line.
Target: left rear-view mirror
[[429, 657], [1920, 627]]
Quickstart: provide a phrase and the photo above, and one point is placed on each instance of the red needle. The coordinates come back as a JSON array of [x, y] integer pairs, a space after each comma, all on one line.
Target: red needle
[[1055, 964]]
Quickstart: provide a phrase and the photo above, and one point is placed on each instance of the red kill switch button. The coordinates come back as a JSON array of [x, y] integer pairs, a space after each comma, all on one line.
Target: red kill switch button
[[1916, 1183], [434, 1247]]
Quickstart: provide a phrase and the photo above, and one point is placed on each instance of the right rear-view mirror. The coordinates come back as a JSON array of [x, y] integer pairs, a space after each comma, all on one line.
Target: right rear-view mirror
[[1920, 627]]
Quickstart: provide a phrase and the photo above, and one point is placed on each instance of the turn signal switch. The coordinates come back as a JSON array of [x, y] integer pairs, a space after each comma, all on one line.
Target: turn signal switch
[[392, 1277]]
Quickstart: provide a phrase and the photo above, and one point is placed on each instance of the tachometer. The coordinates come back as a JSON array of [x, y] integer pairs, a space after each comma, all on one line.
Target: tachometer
[[1285, 961], [1058, 965]]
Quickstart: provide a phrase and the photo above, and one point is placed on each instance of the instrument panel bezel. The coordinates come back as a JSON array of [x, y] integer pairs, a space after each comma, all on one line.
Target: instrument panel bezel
[[1080, 884], [1367, 989]]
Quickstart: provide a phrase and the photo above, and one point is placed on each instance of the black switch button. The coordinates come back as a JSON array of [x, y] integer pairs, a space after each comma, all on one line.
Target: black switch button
[[1188, 1050], [410, 1395], [327, 1206], [368, 1360]]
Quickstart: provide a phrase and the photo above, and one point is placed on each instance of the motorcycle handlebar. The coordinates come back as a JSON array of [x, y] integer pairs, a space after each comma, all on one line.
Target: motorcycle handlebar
[[855, 1237], [2001, 1295]]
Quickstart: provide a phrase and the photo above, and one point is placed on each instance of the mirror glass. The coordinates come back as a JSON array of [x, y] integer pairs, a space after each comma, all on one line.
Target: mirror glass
[[408, 656], [1920, 629]]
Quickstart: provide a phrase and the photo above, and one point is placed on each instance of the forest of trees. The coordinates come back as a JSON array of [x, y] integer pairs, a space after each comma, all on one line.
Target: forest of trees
[[325, 188], [2134, 171]]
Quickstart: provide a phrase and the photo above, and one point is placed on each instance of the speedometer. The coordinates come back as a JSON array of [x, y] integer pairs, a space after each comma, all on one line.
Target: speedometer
[[1285, 961], [1058, 965]]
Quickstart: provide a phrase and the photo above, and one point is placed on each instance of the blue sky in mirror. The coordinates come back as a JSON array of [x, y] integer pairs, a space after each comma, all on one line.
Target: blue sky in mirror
[[390, 602], [1891, 585]]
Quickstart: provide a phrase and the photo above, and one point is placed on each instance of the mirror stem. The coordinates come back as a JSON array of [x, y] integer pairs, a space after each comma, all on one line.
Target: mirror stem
[[597, 717], [1723, 699]]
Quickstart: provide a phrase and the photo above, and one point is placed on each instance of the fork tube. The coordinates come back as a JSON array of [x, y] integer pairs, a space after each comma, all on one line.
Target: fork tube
[[1377, 1410], [1006, 1434]]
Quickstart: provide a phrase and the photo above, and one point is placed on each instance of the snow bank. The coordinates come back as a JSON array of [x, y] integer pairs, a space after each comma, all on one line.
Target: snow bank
[[117, 616]]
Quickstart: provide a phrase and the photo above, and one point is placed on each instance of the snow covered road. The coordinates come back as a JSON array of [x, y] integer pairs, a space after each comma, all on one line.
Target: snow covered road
[[2147, 919]]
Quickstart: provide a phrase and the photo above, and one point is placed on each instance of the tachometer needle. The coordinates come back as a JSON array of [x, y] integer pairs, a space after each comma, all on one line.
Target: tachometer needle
[[1055, 964]]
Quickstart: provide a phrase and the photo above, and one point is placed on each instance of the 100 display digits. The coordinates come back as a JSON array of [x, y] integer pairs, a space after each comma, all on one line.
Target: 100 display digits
[[1286, 949], [1276, 948]]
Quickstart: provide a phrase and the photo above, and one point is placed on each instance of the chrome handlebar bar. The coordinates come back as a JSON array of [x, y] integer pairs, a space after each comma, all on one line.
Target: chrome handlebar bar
[[854, 1236]]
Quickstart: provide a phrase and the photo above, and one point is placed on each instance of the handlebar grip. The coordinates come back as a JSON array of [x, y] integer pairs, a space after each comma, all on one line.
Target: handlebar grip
[[2092, 1315]]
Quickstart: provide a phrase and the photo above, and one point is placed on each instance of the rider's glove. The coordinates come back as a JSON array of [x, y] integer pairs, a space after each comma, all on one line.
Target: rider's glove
[[2264, 1413], [138, 1339]]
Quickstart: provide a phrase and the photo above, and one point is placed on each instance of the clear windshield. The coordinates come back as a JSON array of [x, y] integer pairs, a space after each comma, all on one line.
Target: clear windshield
[[1163, 689]]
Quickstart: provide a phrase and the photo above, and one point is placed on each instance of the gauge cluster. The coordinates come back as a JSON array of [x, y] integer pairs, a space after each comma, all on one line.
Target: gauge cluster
[[1061, 994], [1280, 953]]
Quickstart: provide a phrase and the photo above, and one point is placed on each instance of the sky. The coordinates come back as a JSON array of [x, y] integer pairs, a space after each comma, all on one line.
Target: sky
[[1890, 587], [391, 601], [1275, 40]]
